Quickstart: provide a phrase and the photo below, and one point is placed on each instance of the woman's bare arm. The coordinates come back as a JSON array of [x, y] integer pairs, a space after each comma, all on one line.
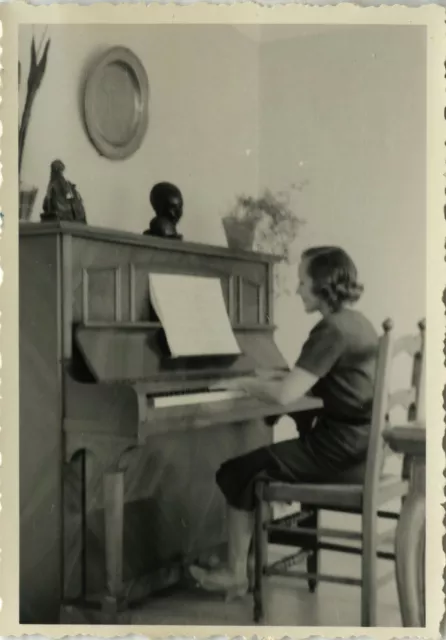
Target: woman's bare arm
[[290, 388]]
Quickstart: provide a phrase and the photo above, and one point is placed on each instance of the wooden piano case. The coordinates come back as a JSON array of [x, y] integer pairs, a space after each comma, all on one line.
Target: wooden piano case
[[86, 322]]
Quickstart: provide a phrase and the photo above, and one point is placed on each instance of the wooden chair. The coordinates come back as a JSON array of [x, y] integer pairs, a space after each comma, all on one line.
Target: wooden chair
[[367, 499]]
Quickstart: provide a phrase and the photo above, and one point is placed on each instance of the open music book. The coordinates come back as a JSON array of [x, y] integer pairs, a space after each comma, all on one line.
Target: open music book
[[193, 314]]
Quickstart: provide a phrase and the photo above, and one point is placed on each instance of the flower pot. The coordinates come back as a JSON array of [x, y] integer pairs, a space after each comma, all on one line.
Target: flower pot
[[239, 233], [26, 203]]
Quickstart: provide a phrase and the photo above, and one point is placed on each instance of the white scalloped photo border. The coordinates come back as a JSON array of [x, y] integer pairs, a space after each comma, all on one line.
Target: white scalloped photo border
[[436, 261]]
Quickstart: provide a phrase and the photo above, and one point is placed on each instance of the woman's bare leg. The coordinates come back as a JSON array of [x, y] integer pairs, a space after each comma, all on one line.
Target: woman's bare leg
[[232, 578]]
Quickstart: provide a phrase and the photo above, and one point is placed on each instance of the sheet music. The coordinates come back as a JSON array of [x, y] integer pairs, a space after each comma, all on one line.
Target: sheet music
[[193, 314]]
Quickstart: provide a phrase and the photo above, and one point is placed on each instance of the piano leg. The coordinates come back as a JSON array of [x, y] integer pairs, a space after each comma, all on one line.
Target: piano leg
[[112, 607], [114, 532]]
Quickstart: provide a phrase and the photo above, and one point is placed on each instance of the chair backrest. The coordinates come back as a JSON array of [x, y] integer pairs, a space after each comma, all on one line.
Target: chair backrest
[[411, 399]]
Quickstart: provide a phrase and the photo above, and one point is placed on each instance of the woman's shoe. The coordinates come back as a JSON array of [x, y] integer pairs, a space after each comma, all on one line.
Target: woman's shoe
[[220, 581]]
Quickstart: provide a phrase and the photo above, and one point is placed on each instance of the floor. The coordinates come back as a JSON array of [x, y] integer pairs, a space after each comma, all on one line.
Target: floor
[[289, 602]]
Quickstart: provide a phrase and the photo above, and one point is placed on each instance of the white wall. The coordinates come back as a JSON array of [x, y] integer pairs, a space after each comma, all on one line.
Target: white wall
[[343, 111], [202, 132]]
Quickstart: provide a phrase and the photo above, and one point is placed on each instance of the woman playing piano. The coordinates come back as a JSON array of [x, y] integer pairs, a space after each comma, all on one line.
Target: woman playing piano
[[337, 363]]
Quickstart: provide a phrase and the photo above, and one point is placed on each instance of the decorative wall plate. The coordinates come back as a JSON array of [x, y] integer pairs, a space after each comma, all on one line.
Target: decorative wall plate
[[116, 100]]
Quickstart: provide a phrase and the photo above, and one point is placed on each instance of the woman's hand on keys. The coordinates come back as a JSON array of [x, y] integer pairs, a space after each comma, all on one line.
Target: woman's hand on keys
[[236, 384]]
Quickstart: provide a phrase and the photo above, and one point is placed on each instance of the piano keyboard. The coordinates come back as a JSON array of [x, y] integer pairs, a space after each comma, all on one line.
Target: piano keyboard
[[179, 399]]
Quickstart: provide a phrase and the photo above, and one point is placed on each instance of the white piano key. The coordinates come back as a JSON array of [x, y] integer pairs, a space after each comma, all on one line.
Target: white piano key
[[196, 398]]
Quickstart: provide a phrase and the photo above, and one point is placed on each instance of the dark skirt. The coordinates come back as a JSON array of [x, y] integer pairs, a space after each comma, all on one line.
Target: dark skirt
[[328, 452]]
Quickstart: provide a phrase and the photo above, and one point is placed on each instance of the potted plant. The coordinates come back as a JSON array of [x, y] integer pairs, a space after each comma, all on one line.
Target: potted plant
[[36, 72], [266, 223]]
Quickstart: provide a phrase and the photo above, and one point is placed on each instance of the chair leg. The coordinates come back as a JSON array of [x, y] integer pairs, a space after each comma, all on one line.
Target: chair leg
[[252, 556], [313, 558], [259, 548], [369, 568], [405, 475], [251, 566]]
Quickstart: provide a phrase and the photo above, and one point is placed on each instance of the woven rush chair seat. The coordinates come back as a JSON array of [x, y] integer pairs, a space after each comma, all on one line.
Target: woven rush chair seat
[[334, 495]]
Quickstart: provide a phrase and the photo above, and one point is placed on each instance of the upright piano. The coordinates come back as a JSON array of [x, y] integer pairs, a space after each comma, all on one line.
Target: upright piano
[[119, 443]]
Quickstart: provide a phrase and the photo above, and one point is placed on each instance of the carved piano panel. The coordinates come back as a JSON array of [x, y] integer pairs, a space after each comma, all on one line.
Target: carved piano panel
[[140, 309], [122, 276], [102, 294], [252, 302]]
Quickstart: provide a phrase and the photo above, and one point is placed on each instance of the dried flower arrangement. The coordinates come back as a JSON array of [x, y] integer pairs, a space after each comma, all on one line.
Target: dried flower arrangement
[[267, 224], [36, 72]]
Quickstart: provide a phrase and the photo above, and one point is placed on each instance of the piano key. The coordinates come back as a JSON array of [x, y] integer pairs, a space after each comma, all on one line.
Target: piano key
[[180, 399]]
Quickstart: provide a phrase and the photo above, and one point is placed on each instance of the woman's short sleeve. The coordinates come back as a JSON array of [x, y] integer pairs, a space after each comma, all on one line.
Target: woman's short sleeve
[[321, 350]]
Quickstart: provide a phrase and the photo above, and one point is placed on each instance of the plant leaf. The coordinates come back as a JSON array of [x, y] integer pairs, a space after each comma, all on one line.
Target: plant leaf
[[33, 62], [43, 60]]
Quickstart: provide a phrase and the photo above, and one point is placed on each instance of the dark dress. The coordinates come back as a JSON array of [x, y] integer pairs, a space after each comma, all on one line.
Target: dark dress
[[342, 351]]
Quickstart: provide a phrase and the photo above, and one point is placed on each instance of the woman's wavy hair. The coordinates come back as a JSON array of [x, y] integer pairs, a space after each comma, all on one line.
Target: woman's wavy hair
[[334, 276]]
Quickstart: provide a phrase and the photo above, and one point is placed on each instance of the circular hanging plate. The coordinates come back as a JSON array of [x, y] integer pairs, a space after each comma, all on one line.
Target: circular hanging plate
[[116, 104]]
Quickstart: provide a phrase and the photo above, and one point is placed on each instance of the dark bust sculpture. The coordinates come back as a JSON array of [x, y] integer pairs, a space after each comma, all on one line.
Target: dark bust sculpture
[[62, 200], [167, 202]]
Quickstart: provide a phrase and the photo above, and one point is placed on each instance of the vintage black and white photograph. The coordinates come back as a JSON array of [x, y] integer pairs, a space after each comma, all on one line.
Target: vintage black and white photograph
[[223, 380]]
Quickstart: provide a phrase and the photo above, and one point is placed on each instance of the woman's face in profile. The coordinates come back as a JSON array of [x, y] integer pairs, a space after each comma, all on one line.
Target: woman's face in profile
[[305, 289]]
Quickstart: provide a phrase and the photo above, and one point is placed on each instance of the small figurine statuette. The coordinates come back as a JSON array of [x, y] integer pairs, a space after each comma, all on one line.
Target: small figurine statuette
[[62, 200], [167, 202]]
